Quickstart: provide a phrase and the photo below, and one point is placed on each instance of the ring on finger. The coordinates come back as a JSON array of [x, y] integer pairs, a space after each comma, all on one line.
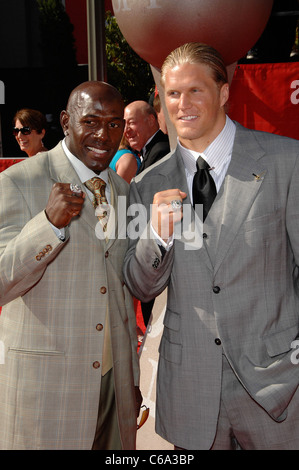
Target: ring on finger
[[75, 188], [176, 204]]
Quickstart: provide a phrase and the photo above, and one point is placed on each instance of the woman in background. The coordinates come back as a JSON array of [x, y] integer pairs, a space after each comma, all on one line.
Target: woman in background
[[29, 130], [125, 162]]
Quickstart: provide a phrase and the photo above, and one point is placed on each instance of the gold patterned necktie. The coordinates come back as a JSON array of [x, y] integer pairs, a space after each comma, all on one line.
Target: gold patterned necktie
[[97, 187]]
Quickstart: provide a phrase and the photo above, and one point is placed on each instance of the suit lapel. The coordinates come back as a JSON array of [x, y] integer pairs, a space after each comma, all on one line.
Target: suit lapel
[[243, 181]]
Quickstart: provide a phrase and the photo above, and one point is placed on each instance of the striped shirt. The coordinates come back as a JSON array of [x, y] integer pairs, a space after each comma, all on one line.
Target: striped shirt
[[217, 154]]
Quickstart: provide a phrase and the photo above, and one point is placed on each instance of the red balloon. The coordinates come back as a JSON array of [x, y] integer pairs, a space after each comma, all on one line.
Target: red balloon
[[153, 28]]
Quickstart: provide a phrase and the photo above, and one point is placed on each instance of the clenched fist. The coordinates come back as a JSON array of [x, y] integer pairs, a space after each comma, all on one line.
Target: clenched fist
[[63, 205], [164, 216]]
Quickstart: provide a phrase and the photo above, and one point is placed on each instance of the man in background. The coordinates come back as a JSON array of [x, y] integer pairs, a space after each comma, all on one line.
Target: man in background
[[143, 133]]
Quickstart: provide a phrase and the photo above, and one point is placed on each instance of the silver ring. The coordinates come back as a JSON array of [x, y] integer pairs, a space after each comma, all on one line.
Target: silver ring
[[75, 188], [176, 204]]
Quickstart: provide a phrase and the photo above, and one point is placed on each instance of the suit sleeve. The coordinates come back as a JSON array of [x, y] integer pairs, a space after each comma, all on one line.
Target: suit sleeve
[[146, 272], [27, 243]]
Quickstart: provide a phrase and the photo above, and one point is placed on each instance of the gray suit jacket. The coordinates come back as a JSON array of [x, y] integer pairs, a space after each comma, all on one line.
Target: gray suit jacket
[[55, 296], [235, 295]]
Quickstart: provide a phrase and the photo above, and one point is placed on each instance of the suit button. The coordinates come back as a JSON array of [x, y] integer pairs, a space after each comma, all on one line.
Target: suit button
[[216, 289], [204, 235], [99, 327], [103, 290], [218, 341], [96, 365], [106, 254]]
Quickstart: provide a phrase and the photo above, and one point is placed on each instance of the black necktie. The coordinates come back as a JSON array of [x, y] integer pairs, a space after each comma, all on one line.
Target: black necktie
[[204, 189]]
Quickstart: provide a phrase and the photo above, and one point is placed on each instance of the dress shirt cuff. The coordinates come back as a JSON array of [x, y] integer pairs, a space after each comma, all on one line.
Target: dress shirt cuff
[[59, 232], [160, 242]]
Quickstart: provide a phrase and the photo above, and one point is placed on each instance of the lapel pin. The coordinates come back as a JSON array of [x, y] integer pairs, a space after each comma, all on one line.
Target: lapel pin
[[258, 177]]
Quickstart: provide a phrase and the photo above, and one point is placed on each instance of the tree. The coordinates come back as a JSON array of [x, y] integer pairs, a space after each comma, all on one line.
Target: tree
[[130, 74]]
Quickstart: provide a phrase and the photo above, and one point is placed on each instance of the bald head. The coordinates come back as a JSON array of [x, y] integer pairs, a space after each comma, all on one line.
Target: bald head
[[141, 123], [93, 123], [141, 107], [95, 90]]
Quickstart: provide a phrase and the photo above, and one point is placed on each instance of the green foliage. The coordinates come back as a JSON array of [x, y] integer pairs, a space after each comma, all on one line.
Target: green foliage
[[130, 74]]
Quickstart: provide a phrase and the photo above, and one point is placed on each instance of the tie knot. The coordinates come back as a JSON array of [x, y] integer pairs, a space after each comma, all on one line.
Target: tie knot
[[96, 185], [201, 164]]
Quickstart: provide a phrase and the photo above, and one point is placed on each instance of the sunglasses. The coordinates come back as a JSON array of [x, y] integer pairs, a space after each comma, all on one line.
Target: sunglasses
[[23, 130]]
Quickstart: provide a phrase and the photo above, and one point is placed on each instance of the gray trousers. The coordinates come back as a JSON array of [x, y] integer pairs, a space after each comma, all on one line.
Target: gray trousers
[[244, 425]]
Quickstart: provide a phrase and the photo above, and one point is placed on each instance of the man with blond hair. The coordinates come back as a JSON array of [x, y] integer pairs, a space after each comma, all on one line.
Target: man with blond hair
[[227, 378]]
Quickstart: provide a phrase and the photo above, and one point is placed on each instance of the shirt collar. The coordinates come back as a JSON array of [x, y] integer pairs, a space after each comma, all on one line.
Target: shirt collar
[[82, 171], [216, 154]]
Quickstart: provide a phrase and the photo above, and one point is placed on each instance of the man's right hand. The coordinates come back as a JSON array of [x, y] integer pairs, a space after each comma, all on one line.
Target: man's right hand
[[63, 205], [163, 215]]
